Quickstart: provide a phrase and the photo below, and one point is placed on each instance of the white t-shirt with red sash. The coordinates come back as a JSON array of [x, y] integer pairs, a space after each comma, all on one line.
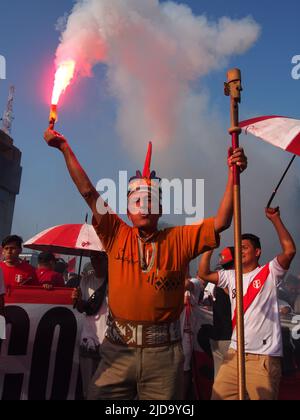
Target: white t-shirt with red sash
[[261, 312]]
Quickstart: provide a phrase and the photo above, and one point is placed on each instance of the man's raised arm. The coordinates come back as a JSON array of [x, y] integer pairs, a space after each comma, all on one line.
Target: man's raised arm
[[204, 270], [80, 178], [285, 238]]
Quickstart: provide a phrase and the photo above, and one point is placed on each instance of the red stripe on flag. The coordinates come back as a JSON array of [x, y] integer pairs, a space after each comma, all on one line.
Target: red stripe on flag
[[294, 146], [38, 295]]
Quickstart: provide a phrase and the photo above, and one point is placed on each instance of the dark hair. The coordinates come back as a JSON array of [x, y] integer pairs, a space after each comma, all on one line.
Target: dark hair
[[253, 239], [46, 258], [60, 266], [11, 239]]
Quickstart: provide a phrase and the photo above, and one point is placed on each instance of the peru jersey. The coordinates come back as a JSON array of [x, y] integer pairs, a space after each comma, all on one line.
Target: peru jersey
[[262, 320]]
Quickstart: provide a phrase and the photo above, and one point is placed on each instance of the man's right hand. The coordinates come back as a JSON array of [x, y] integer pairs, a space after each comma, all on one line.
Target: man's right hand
[[54, 139], [273, 214]]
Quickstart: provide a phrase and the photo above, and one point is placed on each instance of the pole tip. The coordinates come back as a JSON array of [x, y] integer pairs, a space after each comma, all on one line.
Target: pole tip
[[233, 75]]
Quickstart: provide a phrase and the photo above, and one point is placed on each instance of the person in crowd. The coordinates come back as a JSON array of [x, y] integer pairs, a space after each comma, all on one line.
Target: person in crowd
[[193, 289], [46, 275], [91, 299], [263, 340], [221, 331], [61, 267], [16, 272], [142, 354]]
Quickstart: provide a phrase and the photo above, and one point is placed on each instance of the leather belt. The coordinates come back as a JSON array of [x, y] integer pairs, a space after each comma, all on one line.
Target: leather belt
[[133, 334]]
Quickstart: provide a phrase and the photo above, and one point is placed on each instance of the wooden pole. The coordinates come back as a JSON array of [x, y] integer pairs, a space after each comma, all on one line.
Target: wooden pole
[[233, 89]]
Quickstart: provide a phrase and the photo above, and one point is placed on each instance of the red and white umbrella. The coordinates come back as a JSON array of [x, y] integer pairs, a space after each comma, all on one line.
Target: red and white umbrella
[[282, 132], [78, 240]]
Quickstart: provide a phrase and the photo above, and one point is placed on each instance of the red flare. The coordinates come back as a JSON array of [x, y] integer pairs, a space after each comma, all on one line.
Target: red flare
[[63, 77], [53, 115]]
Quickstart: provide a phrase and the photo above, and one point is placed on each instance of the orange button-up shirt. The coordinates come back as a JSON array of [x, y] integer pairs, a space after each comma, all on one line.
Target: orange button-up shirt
[[151, 293]]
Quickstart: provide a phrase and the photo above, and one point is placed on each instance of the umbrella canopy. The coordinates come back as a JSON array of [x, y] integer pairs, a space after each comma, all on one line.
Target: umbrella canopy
[[78, 240], [282, 132]]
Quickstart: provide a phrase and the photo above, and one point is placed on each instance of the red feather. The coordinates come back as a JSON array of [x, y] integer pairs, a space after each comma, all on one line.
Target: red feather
[[147, 165]]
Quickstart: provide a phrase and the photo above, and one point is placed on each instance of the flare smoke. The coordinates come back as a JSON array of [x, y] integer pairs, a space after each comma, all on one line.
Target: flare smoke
[[154, 52]]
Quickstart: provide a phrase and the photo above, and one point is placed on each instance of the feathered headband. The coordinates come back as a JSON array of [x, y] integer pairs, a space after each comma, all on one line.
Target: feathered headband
[[145, 181]]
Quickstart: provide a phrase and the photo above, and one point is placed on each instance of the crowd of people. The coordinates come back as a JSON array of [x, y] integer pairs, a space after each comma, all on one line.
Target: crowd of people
[[138, 298], [89, 292], [206, 290], [18, 272]]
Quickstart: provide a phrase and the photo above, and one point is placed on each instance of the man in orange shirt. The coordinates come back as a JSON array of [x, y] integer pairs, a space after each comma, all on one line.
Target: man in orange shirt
[[142, 355]]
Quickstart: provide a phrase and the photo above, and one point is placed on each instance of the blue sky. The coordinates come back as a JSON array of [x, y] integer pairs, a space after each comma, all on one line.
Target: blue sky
[[28, 41]]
